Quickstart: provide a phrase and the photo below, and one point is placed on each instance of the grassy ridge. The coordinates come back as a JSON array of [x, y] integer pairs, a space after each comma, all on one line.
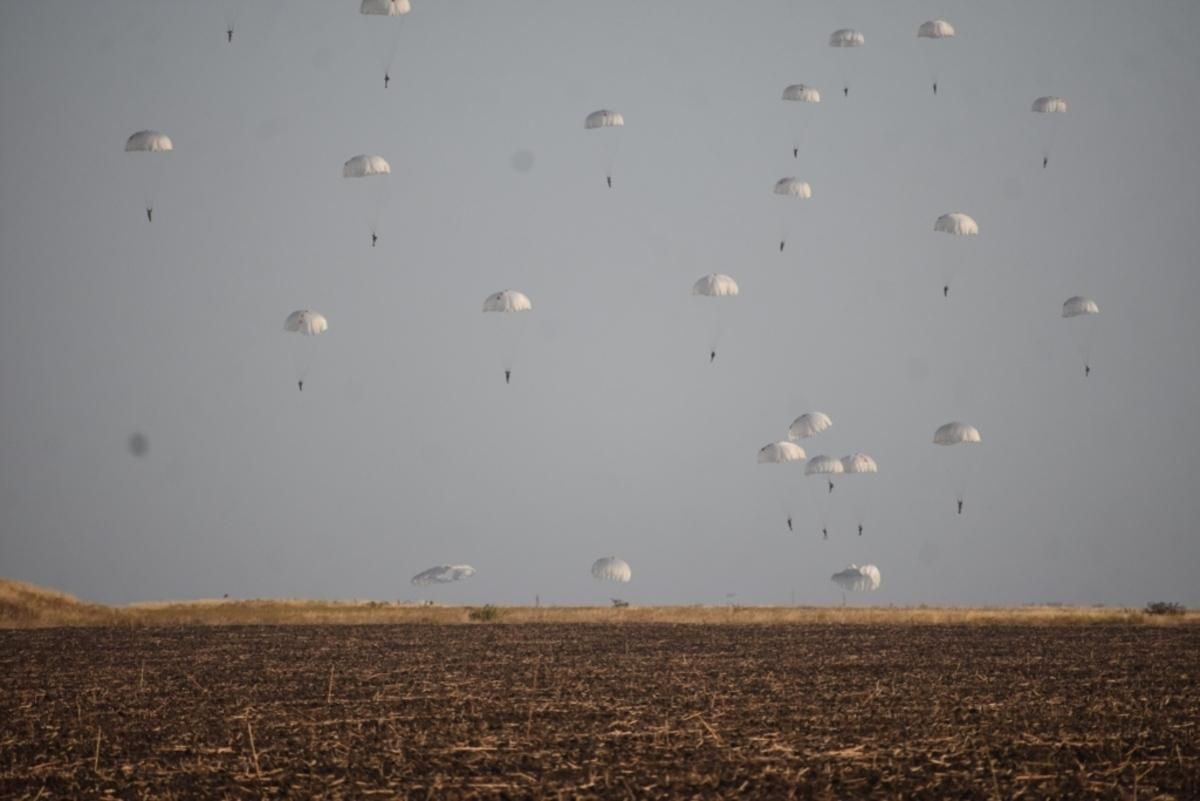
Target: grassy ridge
[[25, 605]]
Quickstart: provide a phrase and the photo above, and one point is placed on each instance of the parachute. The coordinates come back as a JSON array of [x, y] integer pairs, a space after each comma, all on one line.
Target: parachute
[[443, 574], [508, 301], [610, 568], [935, 30], [844, 38], [857, 579], [957, 224], [1048, 105], [800, 93], [605, 118], [151, 170], [859, 491], [1087, 309], [364, 166], [959, 463], [790, 187], [387, 8], [715, 285], [782, 453], [310, 324], [826, 466], [808, 424]]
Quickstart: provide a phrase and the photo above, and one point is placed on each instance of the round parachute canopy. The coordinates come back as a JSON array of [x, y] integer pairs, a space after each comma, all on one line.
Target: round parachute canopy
[[859, 463], [823, 465], [846, 37], [957, 223], [610, 568], [956, 434], [508, 300], [715, 285], [808, 424], [858, 579], [385, 8], [443, 574], [307, 322], [1079, 306], [780, 453], [365, 166], [794, 187], [604, 119], [149, 142], [1049, 105], [935, 29], [802, 93]]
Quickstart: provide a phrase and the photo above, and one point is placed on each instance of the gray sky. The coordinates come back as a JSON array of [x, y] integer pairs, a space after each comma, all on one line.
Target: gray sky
[[406, 448]]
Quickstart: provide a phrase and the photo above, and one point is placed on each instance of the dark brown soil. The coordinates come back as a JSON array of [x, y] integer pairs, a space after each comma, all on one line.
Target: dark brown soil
[[602, 711]]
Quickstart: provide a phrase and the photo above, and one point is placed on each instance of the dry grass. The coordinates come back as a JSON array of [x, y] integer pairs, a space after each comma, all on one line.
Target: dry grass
[[25, 605]]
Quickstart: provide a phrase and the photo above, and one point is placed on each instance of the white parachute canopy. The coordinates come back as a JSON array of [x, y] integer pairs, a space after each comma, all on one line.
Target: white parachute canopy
[[958, 461], [823, 465], [1049, 105], [609, 142], [148, 142], [149, 171], [809, 424], [859, 463], [858, 579], [443, 574], [780, 453], [956, 434], [715, 285], [1052, 106], [389, 32], [859, 491], [307, 322], [1079, 306], [364, 166], [604, 118], [610, 568], [957, 223], [507, 300], [935, 29], [802, 93], [793, 187], [385, 8], [846, 37]]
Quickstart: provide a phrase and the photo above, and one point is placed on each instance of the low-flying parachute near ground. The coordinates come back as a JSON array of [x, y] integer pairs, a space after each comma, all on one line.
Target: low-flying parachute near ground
[[958, 461], [808, 425], [715, 285], [826, 467], [859, 464], [387, 8], [936, 30], [844, 38], [599, 121], [509, 302], [375, 168], [1053, 106], [858, 579], [783, 453], [956, 224], [800, 93], [443, 574], [1086, 309], [789, 188], [154, 144], [610, 568], [308, 324]]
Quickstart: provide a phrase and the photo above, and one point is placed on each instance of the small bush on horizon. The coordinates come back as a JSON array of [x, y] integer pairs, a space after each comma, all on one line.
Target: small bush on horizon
[[487, 614], [1164, 608]]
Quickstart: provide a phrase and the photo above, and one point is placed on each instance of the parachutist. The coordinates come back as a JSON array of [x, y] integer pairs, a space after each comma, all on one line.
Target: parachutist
[[935, 87], [781, 247], [960, 507], [789, 522], [386, 78], [845, 91], [795, 152], [150, 215], [609, 179], [825, 533], [712, 355], [860, 530], [1045, 161], [374, 239], [301, 385], [946, 291], [1087, 370], [507, 376], [831, 486], [229, 36]]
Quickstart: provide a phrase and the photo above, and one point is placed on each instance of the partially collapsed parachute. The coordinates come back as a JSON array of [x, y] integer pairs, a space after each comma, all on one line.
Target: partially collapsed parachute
[[364, 166], [793, 187], [808, 424], [610, 568], [508, 300], [780, 453], [443, 574], [715, 285], [858, 579], [149, 142], [604, 118], [935, 29], [307, 322], [1079, 306], [846, 37], [385, 8], [957, 223], [1049, 105], [956, 434]]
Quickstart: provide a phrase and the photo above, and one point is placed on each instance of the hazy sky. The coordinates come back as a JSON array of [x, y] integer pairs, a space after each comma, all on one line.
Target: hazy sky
[[617, 436]]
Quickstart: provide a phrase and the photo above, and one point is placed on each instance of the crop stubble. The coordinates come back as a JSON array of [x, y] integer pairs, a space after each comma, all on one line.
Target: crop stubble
[[638, 711]]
